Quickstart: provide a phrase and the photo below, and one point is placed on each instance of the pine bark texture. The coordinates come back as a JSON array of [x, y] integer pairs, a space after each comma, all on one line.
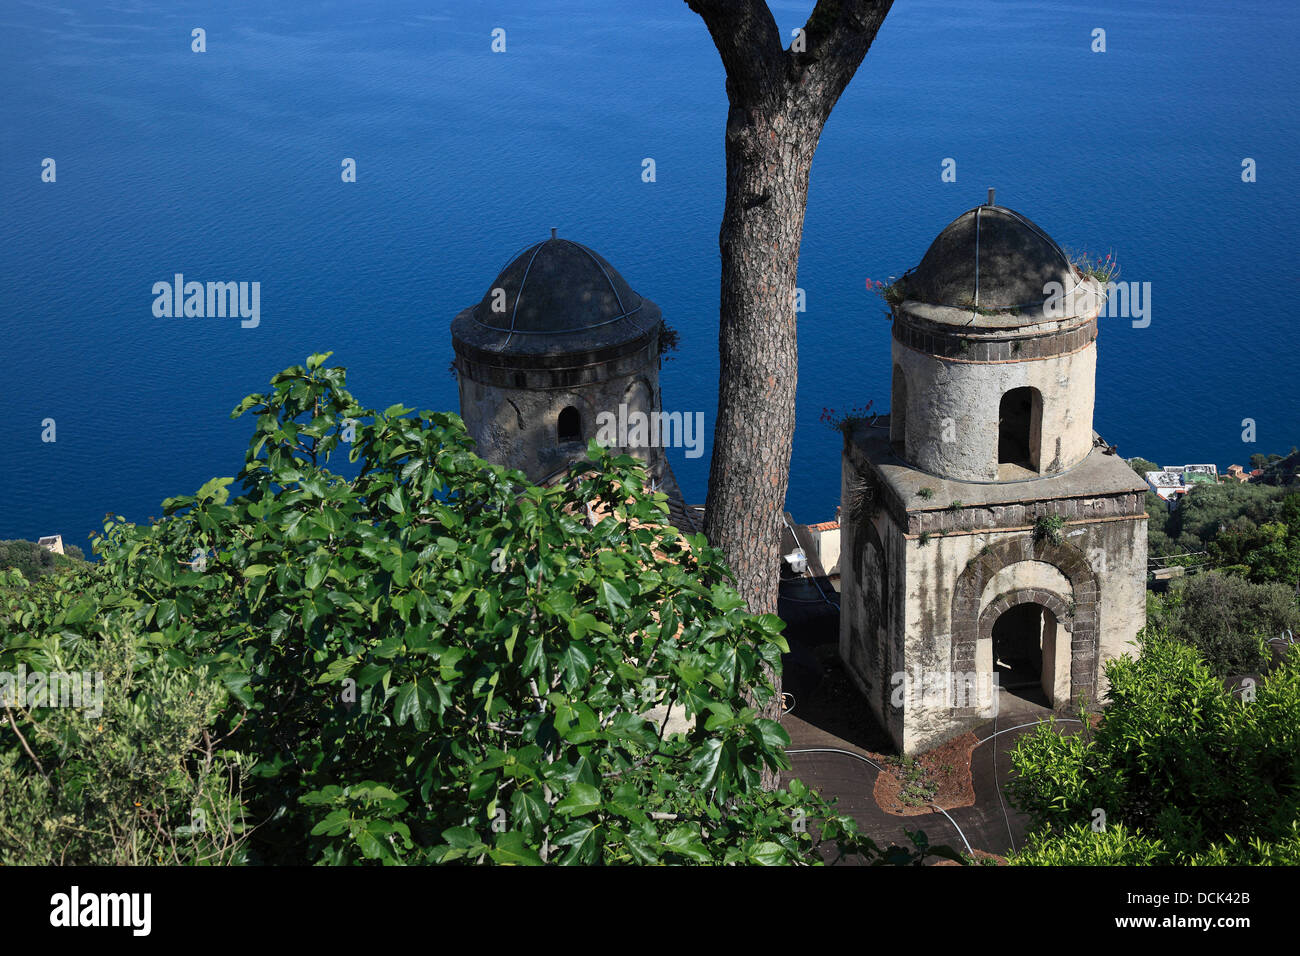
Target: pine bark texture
[[779, 101]]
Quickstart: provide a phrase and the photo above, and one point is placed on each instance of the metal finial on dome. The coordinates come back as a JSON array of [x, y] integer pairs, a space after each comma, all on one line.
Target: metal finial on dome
[[552, 232], [991, 202]]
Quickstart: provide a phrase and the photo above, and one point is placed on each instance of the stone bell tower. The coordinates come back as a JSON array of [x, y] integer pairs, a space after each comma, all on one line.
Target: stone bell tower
[[992, 544], [558, 338], [559, 342]]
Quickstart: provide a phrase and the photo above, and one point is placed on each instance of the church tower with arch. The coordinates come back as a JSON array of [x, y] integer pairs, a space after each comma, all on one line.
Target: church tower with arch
[[991, 543]]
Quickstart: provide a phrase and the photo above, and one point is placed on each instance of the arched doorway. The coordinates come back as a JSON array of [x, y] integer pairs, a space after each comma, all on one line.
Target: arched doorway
[[1020, 424], [1024, 640], [1073, 658]]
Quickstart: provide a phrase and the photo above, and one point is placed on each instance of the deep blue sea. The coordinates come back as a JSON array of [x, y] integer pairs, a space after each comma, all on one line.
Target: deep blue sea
[[225, 165]]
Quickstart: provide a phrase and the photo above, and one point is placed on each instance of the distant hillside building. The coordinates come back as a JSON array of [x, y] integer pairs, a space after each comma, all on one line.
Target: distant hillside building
[[986, 530], [1174, 481]]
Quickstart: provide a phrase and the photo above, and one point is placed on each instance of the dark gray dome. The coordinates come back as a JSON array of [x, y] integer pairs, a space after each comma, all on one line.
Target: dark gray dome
[[556, 286], [557, 297], [990, 257]]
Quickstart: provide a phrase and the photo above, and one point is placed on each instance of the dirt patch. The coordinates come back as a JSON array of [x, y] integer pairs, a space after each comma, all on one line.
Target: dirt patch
[[940, 777]]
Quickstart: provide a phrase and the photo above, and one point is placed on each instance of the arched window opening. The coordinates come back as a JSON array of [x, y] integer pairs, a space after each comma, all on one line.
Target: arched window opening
[[1020, 418], [569, 425], [898, 412]]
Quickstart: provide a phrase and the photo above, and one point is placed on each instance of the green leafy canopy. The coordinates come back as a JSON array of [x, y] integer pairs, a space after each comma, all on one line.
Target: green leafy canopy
[[434, 660]]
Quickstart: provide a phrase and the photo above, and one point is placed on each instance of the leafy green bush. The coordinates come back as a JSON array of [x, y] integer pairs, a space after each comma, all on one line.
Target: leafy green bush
[[1081, 845], [1183, 770], [27, 557], [1227, 619], [433, 660], [133, 775], [1267, 552]]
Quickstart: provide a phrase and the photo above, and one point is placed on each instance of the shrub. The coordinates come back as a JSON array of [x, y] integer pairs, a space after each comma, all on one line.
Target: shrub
[[1183, 770], [136, 774], [27, 557], [1267, 552], [1227, 618], [1208, 510]]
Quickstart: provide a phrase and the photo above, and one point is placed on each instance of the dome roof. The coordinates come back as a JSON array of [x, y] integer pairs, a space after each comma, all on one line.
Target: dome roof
[[990, 258], [556, 296], [556, 286]]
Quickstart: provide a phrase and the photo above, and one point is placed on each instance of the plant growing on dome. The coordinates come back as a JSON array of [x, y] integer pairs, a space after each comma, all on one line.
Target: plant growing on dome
[[668, 340], [1103, 270], [846, 422], [893, 292]]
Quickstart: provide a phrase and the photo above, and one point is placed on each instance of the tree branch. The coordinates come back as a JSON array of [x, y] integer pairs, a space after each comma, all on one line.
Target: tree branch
[[27, 747], [750, 46], [836, 38]]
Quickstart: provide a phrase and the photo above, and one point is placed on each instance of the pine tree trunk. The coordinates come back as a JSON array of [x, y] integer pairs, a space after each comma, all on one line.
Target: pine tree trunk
[[780, 100], [767, 188]]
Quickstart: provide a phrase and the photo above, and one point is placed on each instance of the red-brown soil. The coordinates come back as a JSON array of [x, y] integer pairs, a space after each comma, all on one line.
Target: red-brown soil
[[947, 766]]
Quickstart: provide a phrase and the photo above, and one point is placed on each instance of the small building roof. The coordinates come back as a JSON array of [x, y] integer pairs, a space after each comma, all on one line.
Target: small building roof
[[1164, 479]]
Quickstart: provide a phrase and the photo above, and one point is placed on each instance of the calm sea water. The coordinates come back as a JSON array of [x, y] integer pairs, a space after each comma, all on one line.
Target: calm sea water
[[225, 166]]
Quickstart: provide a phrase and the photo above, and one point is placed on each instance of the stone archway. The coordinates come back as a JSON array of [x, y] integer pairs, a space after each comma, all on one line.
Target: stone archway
[[1057, 627], [1080, 618]]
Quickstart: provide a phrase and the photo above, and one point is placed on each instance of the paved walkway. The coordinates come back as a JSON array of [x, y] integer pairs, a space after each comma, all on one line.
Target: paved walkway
[[990, 824]]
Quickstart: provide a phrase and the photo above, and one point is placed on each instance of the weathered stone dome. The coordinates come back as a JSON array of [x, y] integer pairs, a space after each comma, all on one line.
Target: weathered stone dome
[[990, 258], [558, 339], [557, 296]]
